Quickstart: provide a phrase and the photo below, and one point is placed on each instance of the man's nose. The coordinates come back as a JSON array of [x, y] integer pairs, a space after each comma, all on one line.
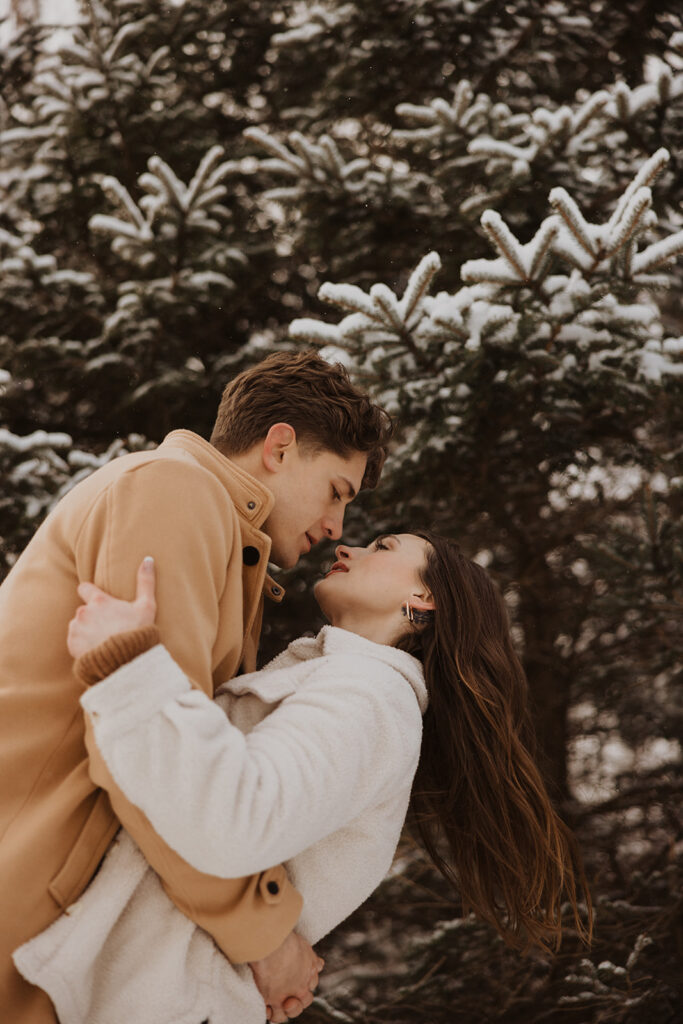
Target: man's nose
[[333, 525]]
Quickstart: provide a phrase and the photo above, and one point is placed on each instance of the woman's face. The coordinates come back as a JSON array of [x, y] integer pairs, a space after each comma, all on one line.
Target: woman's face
[[366, 588]]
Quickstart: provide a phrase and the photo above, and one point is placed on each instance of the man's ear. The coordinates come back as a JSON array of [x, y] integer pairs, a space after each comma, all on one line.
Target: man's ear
[[278, 442]]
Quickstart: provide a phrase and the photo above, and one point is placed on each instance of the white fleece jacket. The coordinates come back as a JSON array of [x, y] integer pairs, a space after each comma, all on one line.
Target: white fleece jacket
[[313, 768]]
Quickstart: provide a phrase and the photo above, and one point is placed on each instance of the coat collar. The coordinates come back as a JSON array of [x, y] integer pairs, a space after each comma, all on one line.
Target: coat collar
[[252, 500]]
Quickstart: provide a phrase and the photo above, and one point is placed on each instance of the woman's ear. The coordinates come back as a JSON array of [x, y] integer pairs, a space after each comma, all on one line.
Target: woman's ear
[[280, 439], [422, 601]]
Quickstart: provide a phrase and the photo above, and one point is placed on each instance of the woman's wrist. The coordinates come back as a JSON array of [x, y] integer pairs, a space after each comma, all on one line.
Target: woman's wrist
[[99, 662]]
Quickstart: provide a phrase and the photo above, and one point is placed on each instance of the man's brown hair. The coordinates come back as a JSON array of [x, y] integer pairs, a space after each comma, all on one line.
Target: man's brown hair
[[314, 397]]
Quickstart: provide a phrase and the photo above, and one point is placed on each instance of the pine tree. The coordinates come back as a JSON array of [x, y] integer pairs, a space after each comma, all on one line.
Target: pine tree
[[504, 384], [477, 206]]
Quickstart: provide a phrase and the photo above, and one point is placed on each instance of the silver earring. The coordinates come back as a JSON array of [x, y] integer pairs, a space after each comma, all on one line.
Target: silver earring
[[408, 611]]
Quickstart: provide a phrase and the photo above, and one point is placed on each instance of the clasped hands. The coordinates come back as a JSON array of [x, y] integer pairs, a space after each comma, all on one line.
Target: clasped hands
[[288, 977]]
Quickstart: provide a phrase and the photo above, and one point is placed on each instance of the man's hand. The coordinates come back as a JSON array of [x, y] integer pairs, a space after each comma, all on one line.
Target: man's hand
[[103, 616], [287, 978]]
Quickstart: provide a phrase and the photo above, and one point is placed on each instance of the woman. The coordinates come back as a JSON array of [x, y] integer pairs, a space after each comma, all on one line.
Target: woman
[[318, 772]]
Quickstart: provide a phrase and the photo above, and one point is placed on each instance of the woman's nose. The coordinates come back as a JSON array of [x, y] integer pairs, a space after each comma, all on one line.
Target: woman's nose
[[343, 551]]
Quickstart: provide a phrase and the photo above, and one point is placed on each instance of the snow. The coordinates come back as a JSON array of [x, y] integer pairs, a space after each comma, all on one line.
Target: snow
[[307, 329], [348, 296], [654, 365], [602, 762], [38, 439], [413, 297], [486, 146], [658, 253]]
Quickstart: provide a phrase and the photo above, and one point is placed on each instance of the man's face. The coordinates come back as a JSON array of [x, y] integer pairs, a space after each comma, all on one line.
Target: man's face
[[311, 494]]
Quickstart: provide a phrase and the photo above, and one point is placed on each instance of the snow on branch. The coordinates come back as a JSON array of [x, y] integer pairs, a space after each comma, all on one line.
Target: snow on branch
[[418, 285], [319, 162], [117, 191], [284, 157], [518, 263], [463, 117], [584, 233], [566, 124], [380, 313], [504, 241], [167, 200], [628, 104], [126, 32], [348, 296], [588, 246], [643, 179], [631, 220], [319, 166], [205, 186], [312, 21], [39, 439], [658, 253], [172, 186]]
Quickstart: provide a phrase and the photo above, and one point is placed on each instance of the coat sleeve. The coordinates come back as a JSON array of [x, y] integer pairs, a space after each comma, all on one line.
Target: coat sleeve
[[181, 516], [327, 753]]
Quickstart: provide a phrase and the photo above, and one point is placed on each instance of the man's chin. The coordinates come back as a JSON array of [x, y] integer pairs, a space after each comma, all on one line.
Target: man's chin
[[282, 560]]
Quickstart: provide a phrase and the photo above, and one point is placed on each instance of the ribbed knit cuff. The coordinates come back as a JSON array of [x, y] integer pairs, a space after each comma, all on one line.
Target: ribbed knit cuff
[[98, 663]]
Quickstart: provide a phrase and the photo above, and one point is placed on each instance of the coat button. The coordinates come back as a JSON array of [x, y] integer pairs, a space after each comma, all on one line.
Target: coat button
[[250, 555], [251, 505], [273, 888]]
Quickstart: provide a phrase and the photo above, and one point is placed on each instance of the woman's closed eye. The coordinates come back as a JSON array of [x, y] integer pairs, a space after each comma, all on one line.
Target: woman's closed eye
[[380, 545]]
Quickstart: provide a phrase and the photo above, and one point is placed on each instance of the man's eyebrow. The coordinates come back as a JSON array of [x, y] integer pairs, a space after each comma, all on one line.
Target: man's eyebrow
[[352, 489]]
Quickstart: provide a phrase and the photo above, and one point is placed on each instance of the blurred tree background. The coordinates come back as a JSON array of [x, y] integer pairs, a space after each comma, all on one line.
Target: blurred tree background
[[477, 207]]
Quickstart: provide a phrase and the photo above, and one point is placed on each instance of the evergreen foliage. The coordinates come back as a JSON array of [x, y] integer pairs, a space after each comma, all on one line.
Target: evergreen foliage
[[477, 207]]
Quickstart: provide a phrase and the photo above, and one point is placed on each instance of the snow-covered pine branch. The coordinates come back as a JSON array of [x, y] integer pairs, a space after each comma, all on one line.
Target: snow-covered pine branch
[[644, 178], [658, 253], [167, 208], [599, 244], [319, 168], [518, 264], [418, 285], [311, 22], [627, 105], [316, 163], [451, 123]]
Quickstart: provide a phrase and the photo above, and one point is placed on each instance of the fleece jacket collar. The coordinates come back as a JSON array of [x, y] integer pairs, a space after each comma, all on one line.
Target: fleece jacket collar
[[333, 642]]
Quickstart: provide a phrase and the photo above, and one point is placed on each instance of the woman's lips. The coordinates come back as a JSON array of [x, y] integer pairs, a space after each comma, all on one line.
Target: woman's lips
[[337, 567]]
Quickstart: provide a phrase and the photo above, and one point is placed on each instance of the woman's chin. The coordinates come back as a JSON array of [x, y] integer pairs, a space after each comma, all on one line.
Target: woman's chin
[[319, 595]]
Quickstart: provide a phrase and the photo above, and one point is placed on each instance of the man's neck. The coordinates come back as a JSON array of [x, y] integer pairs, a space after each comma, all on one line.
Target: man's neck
[[250, 461]]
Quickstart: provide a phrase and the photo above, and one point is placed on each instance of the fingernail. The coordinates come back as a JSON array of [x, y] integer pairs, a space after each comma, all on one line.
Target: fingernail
[[148, 562]]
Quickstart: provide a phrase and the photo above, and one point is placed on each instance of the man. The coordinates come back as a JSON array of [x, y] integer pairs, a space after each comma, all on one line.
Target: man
[[293, 443]]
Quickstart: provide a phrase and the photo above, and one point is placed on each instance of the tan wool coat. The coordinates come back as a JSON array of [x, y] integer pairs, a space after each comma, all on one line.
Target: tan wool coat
[[199, 515]]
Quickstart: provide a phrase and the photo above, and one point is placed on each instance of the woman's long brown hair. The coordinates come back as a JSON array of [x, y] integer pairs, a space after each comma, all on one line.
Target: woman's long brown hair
[[510, 856]]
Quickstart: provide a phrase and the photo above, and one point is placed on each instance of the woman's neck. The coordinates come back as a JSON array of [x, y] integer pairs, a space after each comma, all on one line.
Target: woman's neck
[[379, 631]]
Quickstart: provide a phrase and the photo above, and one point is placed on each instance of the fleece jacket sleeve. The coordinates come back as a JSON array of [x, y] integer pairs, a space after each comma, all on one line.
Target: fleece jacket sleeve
[[328, 752], [180, 514]]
